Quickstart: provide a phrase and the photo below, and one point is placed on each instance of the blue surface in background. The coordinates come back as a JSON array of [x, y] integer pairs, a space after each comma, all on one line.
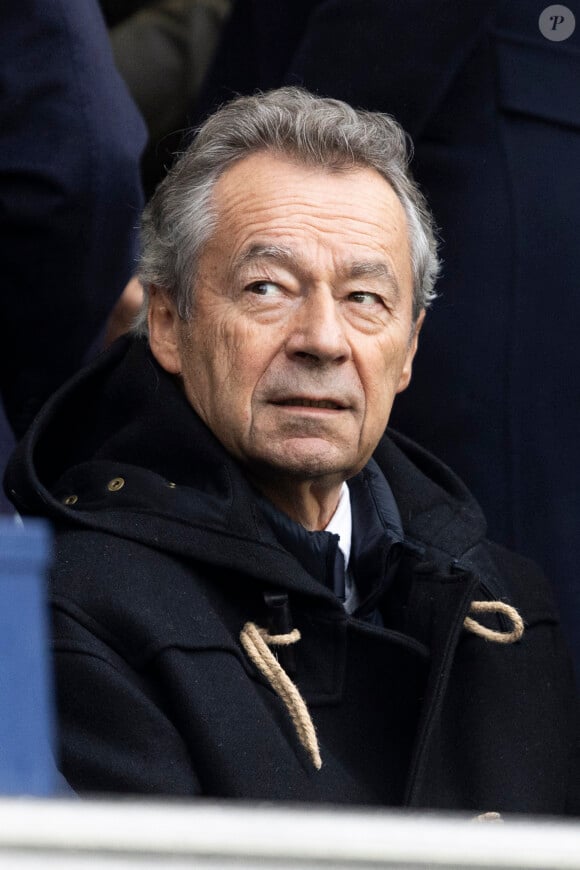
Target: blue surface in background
[[26, 711]]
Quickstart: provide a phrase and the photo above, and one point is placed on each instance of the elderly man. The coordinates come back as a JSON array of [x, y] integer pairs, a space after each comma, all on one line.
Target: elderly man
[[257, 593]]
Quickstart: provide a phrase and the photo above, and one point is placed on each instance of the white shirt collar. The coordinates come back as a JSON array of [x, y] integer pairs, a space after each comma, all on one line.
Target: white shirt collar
[[341, 523]]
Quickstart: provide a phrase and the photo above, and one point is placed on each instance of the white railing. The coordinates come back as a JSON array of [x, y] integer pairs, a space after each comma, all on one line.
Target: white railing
[[118, 835]]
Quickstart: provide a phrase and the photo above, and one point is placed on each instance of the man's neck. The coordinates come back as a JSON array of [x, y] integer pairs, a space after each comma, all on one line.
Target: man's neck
[[309, 503]]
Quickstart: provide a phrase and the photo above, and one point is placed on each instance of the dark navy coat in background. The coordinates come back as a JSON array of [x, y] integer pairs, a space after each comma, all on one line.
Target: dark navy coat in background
[[70, 195], [494, 111]]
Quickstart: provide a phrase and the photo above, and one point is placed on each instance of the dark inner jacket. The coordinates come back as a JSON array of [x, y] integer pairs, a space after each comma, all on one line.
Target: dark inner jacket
[[165, 552]]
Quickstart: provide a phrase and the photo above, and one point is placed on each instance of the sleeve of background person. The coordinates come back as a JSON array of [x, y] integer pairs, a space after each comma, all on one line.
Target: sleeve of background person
[[163, 52], [70, 193]]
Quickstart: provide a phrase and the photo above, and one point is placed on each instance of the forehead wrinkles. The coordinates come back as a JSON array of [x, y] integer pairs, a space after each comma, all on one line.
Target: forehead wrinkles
[[354, 195], [243, 214]]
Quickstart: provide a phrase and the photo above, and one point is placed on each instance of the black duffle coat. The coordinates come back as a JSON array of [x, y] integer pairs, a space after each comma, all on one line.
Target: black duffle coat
[[161, 560]]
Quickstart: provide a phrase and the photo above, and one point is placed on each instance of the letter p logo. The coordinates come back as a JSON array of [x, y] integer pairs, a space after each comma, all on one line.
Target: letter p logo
[[557, 23]]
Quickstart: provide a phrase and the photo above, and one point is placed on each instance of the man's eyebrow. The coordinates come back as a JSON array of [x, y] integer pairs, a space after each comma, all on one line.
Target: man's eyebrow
[[284, 256], [276, 253]]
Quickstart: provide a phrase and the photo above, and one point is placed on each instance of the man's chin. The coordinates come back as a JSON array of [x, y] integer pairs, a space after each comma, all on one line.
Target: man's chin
[[307, 460]]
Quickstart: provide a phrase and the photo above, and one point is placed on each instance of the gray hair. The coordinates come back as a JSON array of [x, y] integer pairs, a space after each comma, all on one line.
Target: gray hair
[[314, 131]]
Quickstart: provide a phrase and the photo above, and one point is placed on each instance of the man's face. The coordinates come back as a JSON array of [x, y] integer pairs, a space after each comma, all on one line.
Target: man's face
[[302, 332]]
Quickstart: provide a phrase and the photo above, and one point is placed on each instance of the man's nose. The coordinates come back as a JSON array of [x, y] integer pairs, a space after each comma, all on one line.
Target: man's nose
[[317, 329]]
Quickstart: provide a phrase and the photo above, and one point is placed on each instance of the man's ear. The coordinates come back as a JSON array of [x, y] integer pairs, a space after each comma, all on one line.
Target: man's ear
[[163, 322], [407, 371]]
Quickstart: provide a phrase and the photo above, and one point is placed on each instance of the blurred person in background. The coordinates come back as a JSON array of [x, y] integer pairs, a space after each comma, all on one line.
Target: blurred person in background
[[70, 196]]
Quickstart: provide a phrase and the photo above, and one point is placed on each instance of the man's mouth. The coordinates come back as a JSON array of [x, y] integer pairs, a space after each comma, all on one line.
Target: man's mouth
[[311, 403]]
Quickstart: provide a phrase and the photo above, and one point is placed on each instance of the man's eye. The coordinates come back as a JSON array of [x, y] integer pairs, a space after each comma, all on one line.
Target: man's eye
[[363, 297], [264, 288]]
